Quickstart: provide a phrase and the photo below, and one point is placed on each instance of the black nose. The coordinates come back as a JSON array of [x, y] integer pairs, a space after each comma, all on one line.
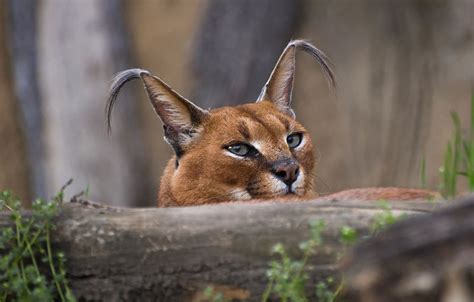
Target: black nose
[[286, 171]]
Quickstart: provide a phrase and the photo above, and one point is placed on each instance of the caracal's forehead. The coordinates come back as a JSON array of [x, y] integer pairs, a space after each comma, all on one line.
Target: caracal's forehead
[[255, 122]]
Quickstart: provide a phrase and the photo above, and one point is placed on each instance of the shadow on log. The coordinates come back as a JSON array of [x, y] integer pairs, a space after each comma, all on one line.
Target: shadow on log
[[429, 258], [172, 254]]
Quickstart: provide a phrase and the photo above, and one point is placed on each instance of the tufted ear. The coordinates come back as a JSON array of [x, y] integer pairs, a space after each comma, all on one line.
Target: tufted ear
[[181, 118], [279, 87]]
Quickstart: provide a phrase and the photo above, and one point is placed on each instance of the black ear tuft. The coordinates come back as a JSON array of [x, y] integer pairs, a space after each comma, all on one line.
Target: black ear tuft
[[117, 83]]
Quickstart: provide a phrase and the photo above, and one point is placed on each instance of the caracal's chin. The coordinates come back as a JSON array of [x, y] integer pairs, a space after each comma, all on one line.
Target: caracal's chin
[[268, 186]]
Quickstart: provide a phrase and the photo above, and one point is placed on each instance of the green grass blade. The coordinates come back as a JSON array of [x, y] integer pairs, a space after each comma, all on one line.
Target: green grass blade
[[445, 171], [423, 173], [472, 115], [470, 154], [457, 151]]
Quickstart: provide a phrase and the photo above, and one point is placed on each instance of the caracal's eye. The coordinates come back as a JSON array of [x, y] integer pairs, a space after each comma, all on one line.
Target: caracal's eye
[[294, 140], [239, 149]]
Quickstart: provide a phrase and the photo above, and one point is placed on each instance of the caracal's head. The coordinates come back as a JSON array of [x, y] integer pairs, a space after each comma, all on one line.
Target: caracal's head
[[252, 151]]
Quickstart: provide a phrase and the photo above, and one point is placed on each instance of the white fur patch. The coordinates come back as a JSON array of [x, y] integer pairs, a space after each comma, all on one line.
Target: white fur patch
[[299, 183], [178, 115], [277, 185], [257, 145], [240, 194]]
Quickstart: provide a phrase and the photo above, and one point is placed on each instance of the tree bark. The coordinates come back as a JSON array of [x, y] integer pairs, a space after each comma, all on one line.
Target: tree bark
[[237, 46], [81, 45], [402, 66], [15, 173], [172, 254], [21, 39]]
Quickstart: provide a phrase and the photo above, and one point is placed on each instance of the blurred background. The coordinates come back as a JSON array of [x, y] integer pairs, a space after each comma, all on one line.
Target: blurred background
[[402, 66]]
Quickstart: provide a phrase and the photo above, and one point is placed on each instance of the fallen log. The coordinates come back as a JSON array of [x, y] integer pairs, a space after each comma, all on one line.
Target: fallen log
[[428, 258], [173, 254]]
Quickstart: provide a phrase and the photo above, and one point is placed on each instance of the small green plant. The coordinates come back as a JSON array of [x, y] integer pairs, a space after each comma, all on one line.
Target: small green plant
[[469, 151], [324, 293], [385, 218], [213, 296], [459, 154], [287, 277], [449, 171], [348, 235], [24, 246]]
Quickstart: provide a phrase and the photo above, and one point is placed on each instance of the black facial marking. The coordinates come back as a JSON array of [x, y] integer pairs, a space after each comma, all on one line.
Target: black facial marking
[[251, 188], [244, 130], [171, 136]]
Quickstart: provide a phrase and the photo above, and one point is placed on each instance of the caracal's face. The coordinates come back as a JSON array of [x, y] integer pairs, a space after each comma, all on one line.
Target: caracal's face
[[251, 151]]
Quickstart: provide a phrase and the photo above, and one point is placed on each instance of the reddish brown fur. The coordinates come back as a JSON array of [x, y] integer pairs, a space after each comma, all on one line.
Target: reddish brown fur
[[206, 174], [388, 193]]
